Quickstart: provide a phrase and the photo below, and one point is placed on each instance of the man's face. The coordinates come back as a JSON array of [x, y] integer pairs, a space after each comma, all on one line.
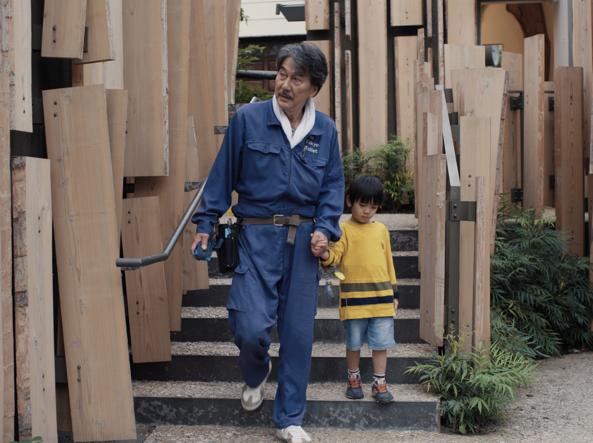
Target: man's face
[[292, 89]]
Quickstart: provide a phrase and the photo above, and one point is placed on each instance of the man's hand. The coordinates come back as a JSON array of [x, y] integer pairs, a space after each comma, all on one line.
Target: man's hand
[[319, 244], [200, 239]]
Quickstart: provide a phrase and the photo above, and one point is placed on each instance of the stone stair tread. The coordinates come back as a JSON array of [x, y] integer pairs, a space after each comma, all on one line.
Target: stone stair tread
[[320, 349], [231, 390], [322, 313]]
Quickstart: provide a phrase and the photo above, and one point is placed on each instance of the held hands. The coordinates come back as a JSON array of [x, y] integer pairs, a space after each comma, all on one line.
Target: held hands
[[319, 245]]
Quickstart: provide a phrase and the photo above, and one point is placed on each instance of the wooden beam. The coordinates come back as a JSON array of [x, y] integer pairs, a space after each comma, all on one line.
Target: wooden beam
[[406, 12], [513, 64], [462, 56], [233, 17], [63, 28], [117, 108], [99, 33], [170, 189], [148, 310], [21, 109], [461, 22], [533, 71], [349, 145], [323, 99], [405, 100], [568, 119], [511, 150], [337, 64], [145, 78], [34, 320], [91, 299], [482, 235], [6, 323], [372, 53], [317, 15], [432, 281]]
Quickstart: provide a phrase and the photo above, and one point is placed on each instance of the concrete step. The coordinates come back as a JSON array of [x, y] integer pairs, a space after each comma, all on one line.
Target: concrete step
[[217, 294], [199, 403], [210, 324], [217, 361], [405, 263]]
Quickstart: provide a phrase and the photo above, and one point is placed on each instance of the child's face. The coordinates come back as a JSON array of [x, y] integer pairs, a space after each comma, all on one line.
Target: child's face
[[363, 212]]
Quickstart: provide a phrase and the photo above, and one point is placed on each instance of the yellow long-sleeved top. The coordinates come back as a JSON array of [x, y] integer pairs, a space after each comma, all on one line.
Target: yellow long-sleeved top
[[364, 255]]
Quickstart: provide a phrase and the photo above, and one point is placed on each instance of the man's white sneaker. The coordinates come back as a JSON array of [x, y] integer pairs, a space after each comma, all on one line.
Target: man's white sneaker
[[293, 434], [252, 398]]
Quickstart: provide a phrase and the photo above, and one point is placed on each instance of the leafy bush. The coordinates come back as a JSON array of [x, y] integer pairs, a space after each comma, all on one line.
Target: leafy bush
[[244, 92], [388, 163], [474, 387], [537, 287]]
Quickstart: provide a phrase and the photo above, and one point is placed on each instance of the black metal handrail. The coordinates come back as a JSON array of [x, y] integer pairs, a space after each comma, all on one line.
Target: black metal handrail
[[135, 263], [256, 75]]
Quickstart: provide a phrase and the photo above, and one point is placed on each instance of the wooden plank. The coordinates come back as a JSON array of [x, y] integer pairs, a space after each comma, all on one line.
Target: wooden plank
[[6, 323], [21, 110], [406, 12], [372, 94], [148, 310], [63, 28], [195, 273], [145, 78], [441, 41], [533, 69], [432, 281], [349, 145], [405, 100], [513, 64], [91, 298], [475, 160], [582, 55], [34, 323], [511, 150], [323, 99], [459, 56], [208, 97], [233, 17], [170, 189], [461, 22], [111, 73], [99, 33], [548, 145], [117, 108], [568, 118], [337, 64], [348, 18], [481, 315], [317, 15]]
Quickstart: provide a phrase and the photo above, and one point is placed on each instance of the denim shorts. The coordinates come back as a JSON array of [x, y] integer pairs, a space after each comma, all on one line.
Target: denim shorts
[[377, 332]]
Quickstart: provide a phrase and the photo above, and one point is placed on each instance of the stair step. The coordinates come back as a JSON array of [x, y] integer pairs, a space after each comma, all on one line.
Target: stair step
[[217, 294], [210, 324], [217, 361], [217, 403], [405, 263]]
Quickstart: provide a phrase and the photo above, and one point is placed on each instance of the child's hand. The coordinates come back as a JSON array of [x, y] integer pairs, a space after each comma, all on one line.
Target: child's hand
[[319, 245]]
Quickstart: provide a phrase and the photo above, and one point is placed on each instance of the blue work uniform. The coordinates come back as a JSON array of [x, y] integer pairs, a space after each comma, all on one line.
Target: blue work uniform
[[275, 283]]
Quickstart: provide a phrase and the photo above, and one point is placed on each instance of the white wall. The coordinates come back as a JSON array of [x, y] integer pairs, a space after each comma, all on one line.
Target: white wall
[[262, 20]]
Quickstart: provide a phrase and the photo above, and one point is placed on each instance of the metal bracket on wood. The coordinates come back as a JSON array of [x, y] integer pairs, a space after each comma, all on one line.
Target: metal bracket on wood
[[129, 188], [454, 118], [551, 104], [516, 195], [220, 129], [191, 186], [448, 95], [462, 210], [85, 45], [517, 102]]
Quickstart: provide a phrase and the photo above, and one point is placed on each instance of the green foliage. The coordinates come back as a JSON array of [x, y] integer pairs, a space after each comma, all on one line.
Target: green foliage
[[474, 387], [388, 163], [538, 288], [244, 92]]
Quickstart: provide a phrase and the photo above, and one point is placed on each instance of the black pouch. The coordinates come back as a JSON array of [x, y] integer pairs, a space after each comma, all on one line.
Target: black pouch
[[228, 247]]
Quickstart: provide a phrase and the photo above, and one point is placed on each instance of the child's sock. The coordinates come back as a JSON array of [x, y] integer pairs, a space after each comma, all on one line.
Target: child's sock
[[354, 373], [379, 379]]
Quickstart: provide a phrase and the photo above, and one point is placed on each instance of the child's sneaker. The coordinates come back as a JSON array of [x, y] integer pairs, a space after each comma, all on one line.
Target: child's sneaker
[[381, 394], [354, 389], [293, 434]]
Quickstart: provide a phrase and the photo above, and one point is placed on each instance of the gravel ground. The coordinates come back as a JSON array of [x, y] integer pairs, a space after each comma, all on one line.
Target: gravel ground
[[557, 407]]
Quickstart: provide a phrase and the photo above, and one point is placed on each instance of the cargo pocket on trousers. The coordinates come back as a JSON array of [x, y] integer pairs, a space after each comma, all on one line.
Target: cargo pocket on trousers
[[239, 298]]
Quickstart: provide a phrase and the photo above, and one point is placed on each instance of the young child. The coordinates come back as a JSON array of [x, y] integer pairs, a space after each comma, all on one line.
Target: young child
[[368, 295]]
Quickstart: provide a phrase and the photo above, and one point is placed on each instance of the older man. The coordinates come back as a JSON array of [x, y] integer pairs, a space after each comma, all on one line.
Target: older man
[[283, 159]]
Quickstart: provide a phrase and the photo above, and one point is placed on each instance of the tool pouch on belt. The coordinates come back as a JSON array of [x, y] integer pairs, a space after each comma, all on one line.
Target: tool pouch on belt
[[228, 251]]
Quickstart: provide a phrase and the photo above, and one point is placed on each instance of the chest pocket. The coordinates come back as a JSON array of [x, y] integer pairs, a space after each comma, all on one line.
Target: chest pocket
[[309, 169], [263, 165]]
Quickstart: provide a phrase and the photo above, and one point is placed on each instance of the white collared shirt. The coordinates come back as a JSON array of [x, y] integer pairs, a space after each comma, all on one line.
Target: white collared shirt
[[306, 124]]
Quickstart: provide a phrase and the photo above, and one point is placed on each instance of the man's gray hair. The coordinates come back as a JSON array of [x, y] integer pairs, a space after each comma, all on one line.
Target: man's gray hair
[[309, 60]]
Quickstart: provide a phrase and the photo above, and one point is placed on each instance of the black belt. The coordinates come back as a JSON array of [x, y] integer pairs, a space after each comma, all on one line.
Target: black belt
[[292, 221]]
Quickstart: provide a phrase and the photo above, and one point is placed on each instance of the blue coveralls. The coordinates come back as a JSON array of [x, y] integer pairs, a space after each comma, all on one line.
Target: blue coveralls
[[275, 282]]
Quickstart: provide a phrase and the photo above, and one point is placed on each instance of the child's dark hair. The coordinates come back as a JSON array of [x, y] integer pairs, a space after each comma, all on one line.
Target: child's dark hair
[[366, 189]]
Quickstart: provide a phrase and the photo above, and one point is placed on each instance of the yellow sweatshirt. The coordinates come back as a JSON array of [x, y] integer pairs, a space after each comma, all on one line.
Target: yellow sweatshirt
[[364, 255]]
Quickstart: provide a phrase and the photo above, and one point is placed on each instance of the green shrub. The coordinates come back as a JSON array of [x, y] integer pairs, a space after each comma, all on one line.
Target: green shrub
[[244, 92], [537, 287], [388, 163], [474, 387]]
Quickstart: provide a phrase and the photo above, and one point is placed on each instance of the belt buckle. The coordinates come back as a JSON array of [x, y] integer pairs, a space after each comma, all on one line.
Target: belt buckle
[[274, 222]]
